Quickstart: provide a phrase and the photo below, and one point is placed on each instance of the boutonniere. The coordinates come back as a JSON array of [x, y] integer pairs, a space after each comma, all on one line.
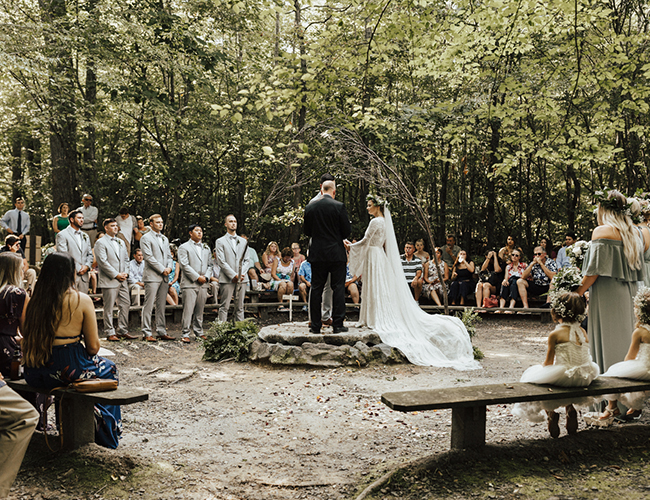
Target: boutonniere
[[84, 236], [206, 247]]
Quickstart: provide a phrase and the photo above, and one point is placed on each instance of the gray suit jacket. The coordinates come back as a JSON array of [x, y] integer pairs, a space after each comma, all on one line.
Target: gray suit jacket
[[229, 261], [195, 261], [156, 255], [66, 241], [110, 261]]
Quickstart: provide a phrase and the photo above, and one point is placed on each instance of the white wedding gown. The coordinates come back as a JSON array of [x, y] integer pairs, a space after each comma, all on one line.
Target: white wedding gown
[[388, 308]]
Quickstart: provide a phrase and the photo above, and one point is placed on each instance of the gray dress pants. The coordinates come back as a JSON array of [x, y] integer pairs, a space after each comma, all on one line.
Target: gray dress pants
[[227, 291], [154, 292], [194, 300], [123, 299]]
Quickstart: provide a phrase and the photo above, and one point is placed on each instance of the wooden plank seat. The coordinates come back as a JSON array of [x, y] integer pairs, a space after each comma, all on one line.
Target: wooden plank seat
[[76, 411], [468, 404]]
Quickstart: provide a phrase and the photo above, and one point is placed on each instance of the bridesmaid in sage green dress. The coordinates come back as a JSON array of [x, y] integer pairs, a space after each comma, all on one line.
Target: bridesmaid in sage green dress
[[612, 267], [645, 224]]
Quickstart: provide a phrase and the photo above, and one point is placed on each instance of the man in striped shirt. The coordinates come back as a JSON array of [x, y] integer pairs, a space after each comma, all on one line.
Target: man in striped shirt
[[412, 267]]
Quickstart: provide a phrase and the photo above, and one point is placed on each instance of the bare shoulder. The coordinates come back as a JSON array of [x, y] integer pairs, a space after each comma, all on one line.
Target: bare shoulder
[[560, 334], [605, 232]]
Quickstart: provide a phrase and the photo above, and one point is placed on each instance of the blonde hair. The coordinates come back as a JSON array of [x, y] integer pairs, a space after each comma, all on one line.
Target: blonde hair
[[268, 249], [10, 270], [619, 220]]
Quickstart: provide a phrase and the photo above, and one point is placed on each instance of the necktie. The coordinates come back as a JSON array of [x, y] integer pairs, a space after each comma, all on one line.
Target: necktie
[[19, 223]]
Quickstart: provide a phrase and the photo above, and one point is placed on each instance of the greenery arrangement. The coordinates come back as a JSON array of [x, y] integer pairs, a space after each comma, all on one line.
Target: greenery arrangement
[[229, 341], [470, 318]]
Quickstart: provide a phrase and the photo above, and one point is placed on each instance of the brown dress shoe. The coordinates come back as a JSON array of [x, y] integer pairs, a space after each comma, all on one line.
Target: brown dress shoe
[[113, 338], [185, 340], [327, 322], [165, 337], [127, 336], [149, 338], [204, 337]]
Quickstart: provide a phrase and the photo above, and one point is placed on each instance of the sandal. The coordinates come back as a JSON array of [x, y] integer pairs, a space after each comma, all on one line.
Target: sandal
[[572, 421], [553, 424], [610, 413]]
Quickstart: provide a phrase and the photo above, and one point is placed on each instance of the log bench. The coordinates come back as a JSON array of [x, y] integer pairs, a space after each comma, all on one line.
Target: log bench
[[468, 404], [76, 408]]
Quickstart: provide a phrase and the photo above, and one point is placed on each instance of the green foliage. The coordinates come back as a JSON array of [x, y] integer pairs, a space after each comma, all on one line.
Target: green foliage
[[228, 341], [470, 318]]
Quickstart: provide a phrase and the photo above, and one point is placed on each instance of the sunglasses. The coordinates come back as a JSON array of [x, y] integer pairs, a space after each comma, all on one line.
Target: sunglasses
[[516, 255], [537, 253]]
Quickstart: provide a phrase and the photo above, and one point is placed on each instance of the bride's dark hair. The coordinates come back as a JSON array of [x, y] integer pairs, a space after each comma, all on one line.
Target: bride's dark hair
[[377, 201], [45, 309]]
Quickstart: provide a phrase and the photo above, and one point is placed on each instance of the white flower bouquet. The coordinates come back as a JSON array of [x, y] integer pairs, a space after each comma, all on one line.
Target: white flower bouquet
[[576, 253], [567, 279]]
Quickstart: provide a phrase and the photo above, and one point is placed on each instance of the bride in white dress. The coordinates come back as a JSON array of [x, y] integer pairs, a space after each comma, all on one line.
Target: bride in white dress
[[388, 308]]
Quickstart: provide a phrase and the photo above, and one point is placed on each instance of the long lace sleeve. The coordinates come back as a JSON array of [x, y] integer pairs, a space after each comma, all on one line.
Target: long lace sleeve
[[375, 236]]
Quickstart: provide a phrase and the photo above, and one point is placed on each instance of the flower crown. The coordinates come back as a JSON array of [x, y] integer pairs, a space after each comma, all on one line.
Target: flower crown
[[376, 200], [615, 204], [559, 307], [642, 305]]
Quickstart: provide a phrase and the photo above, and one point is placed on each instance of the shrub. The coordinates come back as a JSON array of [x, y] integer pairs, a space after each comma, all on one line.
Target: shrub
[[228, 341]]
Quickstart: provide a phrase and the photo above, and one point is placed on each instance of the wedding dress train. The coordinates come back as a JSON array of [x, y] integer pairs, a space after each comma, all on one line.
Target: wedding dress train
[[388, 308]]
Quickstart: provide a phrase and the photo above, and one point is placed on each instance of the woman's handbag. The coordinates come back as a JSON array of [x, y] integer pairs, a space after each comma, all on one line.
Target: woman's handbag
[[484, 276], [94, 385]]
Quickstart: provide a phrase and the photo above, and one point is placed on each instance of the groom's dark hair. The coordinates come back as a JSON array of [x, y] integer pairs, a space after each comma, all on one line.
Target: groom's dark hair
[[326, 177]]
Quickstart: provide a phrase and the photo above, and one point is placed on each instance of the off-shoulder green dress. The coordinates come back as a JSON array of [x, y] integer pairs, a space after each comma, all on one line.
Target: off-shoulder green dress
[[611, 309]]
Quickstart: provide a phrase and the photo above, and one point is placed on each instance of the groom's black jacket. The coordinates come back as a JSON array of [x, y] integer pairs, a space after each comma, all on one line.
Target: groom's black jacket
[[328, 224]]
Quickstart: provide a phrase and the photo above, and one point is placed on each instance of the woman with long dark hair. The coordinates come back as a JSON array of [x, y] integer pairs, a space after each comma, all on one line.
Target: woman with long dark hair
[[57, 319]]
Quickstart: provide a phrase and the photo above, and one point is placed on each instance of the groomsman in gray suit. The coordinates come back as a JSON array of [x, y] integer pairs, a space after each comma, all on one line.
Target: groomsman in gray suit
[[113, 261], [195, 259], [77, 243], [155, 249], [230, 248]]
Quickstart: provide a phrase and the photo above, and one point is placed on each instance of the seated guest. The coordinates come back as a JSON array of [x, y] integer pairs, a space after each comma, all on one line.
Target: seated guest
[[18, 419], [420, 253], [93, 273], [174, 291], [506, 252], [304, 285], [297, 257], [352, 285], [213, 274], [412, 267], [254, 267], [12, 245], [434, 287], [562, 259], [284, 274], [462, 279], [509, 289], [536, 279], [58, 318], [136, 271], [138, 232], [491, 275], [547, 246], [450, 251], [271, 254], [13, 302]]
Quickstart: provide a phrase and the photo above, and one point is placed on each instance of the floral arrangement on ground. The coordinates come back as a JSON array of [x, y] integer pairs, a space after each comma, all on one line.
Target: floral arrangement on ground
[[229, 340]]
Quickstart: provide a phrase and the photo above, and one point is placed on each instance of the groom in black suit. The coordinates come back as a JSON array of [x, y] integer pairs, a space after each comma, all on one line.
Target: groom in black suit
[[328, 224]]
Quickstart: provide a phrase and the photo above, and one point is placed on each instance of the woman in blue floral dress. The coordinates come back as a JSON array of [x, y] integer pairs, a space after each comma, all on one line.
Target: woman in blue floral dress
[[58, 318]]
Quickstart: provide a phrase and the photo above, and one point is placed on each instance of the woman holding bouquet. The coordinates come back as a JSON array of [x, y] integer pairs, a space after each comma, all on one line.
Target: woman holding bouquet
[[612, 267]]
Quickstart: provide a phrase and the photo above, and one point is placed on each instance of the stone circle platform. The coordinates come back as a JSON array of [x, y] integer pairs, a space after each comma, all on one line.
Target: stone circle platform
[[292, 344]]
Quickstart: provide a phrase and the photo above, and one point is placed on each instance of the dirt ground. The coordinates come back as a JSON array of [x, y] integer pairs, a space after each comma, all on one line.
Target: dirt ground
[[247, 431]]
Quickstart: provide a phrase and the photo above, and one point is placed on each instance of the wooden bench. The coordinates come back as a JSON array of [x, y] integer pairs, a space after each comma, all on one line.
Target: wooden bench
[[76, 410], [468, 404]]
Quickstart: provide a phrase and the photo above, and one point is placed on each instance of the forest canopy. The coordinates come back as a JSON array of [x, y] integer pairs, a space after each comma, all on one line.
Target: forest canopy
[[500, 117]]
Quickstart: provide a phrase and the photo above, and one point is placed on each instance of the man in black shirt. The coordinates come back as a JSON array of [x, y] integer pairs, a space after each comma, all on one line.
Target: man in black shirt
[[12, 244]]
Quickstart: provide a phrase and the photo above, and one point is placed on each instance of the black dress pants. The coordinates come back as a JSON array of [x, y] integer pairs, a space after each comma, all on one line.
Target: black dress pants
[[319, 273]]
